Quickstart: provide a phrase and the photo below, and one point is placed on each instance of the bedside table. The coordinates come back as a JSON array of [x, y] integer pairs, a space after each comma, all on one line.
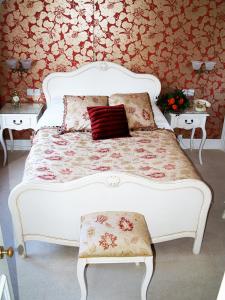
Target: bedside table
[[190, 120], [22, 117]]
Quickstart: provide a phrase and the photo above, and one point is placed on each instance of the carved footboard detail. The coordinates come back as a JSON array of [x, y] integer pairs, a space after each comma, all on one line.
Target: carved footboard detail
[[51, 213]]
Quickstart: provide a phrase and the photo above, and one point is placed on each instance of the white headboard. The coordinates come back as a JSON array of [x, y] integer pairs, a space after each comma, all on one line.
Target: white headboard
[[98, 78]]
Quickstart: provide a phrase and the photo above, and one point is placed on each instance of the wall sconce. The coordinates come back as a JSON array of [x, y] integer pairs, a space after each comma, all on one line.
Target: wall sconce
[[200, 66], [19, 66], [209, 65]]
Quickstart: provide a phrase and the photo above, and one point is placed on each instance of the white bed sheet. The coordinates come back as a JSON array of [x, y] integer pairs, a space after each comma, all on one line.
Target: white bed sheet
[[53, 116]]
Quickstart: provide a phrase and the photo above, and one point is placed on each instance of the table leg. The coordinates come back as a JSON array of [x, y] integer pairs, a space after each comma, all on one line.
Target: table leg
[[3, 146], [11, 139], [180, 141], [192, 136], [202, 145]]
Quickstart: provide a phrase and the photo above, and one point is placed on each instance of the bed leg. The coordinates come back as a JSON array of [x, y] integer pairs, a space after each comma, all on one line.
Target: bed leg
[[198, 240], [201, 224], [197, 246]]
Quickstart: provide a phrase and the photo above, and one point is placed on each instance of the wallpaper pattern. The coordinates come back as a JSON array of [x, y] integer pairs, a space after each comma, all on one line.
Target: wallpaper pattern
[[146, 36]]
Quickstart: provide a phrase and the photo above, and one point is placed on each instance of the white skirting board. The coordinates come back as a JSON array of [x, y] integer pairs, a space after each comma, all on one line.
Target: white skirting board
[[223, 137], [218, 144], [22, 145]]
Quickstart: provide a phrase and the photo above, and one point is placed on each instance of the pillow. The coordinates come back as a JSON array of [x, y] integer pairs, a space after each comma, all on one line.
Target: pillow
[[75, 116], [108, 122], [138, 110]]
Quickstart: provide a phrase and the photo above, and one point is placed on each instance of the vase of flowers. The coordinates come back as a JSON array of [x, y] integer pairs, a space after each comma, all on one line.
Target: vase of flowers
[[175, 101]]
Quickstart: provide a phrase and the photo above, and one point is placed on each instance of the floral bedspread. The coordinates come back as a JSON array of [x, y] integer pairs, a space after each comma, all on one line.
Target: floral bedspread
[[60, 158]]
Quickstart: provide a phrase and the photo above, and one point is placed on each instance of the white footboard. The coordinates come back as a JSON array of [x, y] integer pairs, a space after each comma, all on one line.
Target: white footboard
[[52, 212]]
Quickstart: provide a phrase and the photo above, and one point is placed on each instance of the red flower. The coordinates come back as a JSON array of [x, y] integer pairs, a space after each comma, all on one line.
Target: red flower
[[169, 167], [69, 153], [171, 101], [61, 143], [174, 107], [116, 155], [85, 116], [108, 240], [161, 150], [149, 156], [102, 168], [139, 150], [42, 169], [145, 115], [95, 99], [125, 224], [130, 110], [65, 171], [54, 157], [101, 219], [103, 150], [144, 141], [146, 168], [157, 175], [49, 151], [94, 157], [181, 101], [56, 136], [47, 176]]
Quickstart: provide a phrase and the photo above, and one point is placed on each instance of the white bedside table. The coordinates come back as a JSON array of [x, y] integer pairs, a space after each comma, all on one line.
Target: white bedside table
[[18, 118], [190, 120]]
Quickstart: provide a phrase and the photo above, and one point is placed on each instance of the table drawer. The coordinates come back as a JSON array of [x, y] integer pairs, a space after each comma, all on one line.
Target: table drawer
[[187, 121], [18, 122]]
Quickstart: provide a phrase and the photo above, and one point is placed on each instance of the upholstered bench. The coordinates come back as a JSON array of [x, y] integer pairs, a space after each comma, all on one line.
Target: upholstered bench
[[114, 237]]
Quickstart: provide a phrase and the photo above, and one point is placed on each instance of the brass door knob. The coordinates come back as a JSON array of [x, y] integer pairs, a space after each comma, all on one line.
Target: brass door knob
[[9, 252]]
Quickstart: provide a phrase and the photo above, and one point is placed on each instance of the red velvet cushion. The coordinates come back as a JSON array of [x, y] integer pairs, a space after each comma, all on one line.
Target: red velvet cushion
[[108, 122]]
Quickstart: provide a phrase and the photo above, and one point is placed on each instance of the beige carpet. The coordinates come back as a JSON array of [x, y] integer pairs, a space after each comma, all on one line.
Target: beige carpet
[[50, 271]]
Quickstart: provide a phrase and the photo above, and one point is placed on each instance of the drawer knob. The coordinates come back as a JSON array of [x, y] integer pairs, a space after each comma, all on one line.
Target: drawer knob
[[189, 121], [14, 122]]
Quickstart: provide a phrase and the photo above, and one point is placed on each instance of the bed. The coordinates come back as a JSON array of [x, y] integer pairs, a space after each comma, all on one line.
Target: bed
[[49, 210]]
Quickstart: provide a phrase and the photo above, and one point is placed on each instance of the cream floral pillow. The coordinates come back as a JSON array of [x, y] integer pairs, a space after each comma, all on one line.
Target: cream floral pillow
[[114, 234], [138, 110], [76, 116]]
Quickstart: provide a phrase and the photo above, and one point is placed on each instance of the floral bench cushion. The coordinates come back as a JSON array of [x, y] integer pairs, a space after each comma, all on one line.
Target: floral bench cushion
[[114, 234]]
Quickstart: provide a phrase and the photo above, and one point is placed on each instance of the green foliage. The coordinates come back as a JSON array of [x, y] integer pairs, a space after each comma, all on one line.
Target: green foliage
[[175, 101]]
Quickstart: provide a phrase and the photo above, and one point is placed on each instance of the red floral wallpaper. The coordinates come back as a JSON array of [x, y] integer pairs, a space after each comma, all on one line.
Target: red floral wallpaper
[[147, 36]]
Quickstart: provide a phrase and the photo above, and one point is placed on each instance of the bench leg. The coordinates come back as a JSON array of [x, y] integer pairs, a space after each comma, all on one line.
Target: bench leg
[[148, 276], [81, 277]]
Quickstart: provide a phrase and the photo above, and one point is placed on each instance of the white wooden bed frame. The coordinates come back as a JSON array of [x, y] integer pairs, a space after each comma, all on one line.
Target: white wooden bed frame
[[51, 212]]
